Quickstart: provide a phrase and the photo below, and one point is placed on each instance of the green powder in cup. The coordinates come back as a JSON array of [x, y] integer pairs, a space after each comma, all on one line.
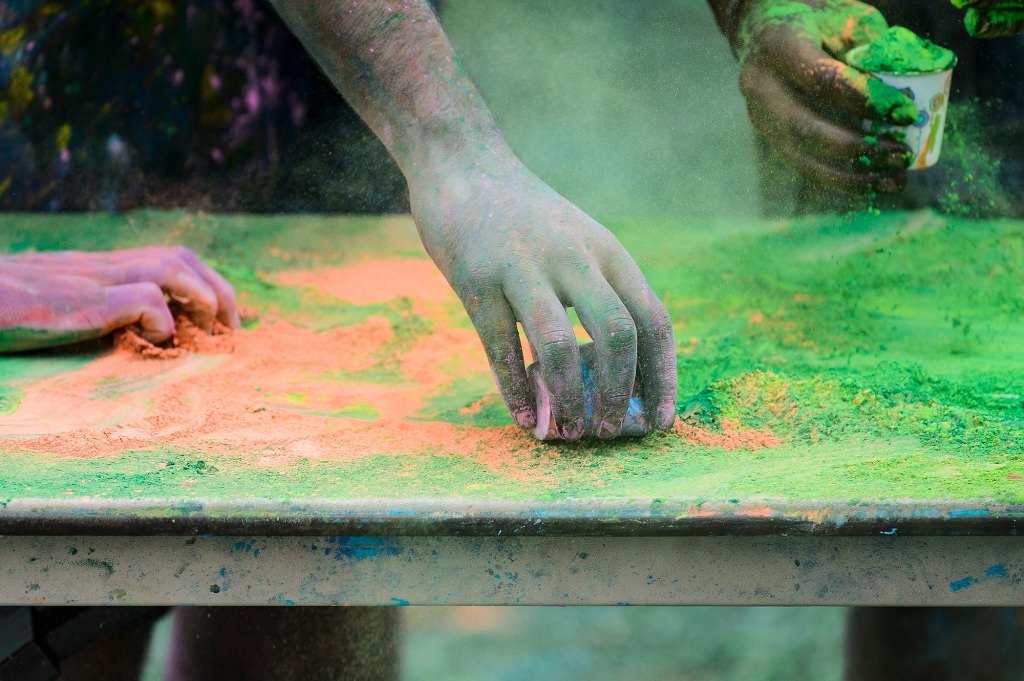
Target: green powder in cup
[[901, 51]]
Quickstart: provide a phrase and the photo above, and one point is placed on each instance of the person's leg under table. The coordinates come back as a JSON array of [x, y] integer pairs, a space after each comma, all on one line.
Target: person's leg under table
[[118, 656], [935, 644], [283, 644]]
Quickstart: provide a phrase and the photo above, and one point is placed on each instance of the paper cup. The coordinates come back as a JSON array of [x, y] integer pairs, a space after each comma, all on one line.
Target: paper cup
[[930, 92], [634, 425]]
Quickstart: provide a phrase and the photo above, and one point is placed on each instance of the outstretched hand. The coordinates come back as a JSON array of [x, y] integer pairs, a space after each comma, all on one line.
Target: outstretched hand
[[54, 298], [809, 105], [993, 18], [515, 250]]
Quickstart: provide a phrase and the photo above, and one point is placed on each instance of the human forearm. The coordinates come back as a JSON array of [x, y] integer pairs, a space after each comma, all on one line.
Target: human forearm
[[511, 247], [393, 63]]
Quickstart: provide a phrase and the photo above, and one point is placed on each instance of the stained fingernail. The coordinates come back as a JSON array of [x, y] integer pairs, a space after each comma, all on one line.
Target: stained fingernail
[[666, 416], [905, 114], [573, 430], [526, 418], [608, 430]]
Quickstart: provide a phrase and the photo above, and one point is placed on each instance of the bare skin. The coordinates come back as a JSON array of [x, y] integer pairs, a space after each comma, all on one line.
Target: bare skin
[[511, 247], [54, 298], [806, 102]]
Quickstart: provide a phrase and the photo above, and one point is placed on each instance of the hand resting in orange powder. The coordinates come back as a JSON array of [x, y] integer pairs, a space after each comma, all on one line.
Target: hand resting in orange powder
[[55, 298]]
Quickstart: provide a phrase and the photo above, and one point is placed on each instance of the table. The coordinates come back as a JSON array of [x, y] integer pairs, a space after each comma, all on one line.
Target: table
[[851, 429]]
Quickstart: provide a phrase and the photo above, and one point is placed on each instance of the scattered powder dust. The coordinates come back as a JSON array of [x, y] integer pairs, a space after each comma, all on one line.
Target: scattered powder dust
[[375, 281], [731, 436], [269, 396], [278, 392]]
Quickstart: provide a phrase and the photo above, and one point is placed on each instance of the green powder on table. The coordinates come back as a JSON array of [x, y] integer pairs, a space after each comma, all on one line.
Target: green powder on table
[[901, 51]]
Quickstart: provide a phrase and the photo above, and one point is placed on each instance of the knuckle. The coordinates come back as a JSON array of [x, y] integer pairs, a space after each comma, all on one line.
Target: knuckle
[[150, 294], [621, 333], [661, 329], [615, 398], [182, 252], [170, 263], [557, 344], [477, 278]]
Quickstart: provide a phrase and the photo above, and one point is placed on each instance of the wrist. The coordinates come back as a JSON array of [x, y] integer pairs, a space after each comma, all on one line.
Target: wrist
[[432, 159]]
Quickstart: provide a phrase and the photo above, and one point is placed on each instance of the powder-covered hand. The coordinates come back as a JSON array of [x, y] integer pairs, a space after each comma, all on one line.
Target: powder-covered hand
[[54, 298], [993, 18], [515, 250], [808, 104], [510, 246]]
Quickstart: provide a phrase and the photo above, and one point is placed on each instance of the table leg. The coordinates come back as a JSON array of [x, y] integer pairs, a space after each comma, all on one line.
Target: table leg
[[935, 644], [283, 643]]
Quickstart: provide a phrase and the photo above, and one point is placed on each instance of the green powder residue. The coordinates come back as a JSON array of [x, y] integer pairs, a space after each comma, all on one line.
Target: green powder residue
[[10, 398], [888, 101], [993, 23], [901, 51], [836, 25], [978, 187], [881, 352]]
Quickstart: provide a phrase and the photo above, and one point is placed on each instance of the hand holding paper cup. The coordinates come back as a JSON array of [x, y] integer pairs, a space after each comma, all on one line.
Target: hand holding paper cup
[[924, 72]]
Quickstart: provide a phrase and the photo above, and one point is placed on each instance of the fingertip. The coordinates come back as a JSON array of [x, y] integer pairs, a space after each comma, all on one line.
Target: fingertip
[[526, 419], [609, 430], [666, 417], [905, 113], [230, 318], [141, 304], [572, 430]]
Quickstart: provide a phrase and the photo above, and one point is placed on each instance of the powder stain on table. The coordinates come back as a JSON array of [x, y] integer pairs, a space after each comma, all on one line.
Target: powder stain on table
[[826, 360]]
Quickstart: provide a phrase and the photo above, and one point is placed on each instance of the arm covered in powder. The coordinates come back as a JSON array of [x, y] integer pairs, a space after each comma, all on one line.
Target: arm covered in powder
[[511, 247]]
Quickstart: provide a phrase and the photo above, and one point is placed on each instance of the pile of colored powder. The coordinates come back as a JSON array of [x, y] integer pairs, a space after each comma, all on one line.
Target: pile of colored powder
[[901, 51], [187, 338]]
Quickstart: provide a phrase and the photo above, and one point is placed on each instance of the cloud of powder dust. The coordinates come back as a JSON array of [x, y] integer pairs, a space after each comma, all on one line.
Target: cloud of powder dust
[[630, 109]]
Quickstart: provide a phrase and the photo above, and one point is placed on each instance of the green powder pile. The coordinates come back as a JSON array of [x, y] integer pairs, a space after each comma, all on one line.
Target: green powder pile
[[901, 51]]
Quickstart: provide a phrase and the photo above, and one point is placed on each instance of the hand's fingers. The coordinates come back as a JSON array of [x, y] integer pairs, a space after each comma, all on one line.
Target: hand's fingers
[[227, 305], [140, 303], [177, 279], [787, 115], [825, 79], [656, 345], [202, 291], [496, 326], [556, 350], [609, 323], [839, 177]]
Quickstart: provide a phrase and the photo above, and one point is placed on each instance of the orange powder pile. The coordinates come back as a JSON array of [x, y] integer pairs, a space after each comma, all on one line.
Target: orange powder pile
[[187, 337], [732, 436], [280, 392]]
